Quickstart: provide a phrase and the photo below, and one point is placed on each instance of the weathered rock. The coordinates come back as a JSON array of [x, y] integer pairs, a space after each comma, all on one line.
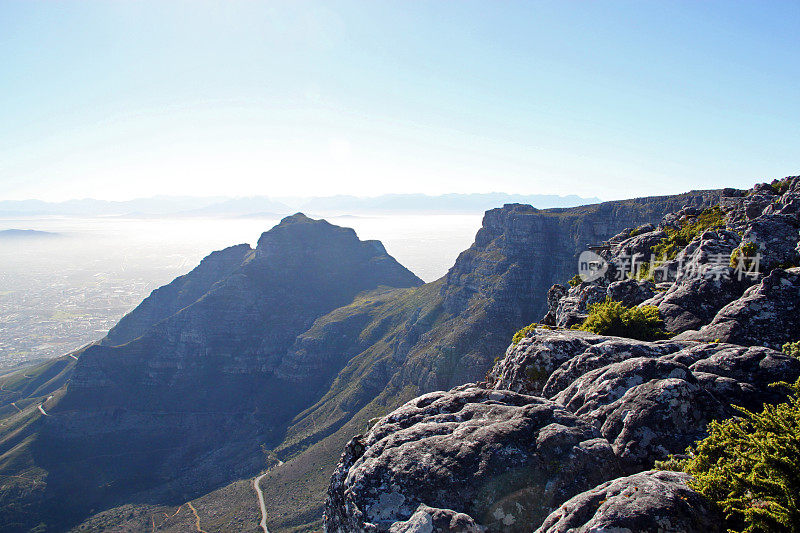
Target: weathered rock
[[649, 399], [704, 282], [429, 520], [502, 458], [631, 292], [554, 296], [648, 502], [767, 314], [573, 308], [776, 237], [528, 364]]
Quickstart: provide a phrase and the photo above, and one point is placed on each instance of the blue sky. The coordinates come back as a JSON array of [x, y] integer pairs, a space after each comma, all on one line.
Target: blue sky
[[611, 99]]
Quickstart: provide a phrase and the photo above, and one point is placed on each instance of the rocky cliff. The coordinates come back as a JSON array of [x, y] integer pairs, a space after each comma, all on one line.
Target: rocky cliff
[[564, 429]]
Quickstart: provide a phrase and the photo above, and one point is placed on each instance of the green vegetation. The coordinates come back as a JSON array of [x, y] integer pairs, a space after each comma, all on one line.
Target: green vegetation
[[678, 238], [521, 334], [792, 348], [750, 467], [575, 281], [613, 318], [782, 185], [746, 251], [638, 231]]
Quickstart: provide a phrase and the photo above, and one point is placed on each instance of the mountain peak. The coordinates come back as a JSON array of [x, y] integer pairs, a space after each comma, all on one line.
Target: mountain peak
[[298, 230]]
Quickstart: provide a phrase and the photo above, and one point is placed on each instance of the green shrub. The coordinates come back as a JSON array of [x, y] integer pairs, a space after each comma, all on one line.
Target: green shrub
[[638, 231], [575, 281], [750, 467], [747, 250], [792, 348], [521, 334], [781, 186], [678, 238], [613, 318]]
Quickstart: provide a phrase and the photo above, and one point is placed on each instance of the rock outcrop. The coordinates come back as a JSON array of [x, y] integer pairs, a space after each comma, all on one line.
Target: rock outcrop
[[502, 459], [613, 406], [649, 502]]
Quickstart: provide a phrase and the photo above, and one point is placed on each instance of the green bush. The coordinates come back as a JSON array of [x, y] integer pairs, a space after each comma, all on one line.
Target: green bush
[[613, 318], [747, 250], [792, 348], [638, 231], [678, 238], [521, 334], [575, 281], [781, 186], [750, 467]]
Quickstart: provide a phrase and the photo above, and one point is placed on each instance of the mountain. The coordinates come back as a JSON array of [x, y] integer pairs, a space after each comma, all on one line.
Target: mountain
[[157, 205], [261, 206], [183, 393], [423, 203], [26, 234], [284, 353]]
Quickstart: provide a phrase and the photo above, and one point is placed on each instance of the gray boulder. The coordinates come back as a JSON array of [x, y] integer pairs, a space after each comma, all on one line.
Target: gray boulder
[[429, 520], [704, 282], [503, 459], [631, 292], [573, 308], [767, 314], [776, 237], [648, 502]]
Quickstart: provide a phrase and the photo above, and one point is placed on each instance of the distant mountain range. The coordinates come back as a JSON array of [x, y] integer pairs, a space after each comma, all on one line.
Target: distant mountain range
[[19, 234], [188, 206]]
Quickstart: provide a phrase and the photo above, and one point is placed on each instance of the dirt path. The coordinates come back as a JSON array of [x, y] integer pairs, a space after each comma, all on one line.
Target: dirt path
[[260, 494], [196, 518]]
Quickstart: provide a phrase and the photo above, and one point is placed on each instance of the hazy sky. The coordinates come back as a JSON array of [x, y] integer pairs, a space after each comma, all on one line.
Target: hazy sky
[[610, 99]]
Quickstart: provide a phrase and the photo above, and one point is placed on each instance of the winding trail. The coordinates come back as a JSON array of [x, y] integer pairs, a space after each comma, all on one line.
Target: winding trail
[[41, 406], [196, 518], [260, 495]]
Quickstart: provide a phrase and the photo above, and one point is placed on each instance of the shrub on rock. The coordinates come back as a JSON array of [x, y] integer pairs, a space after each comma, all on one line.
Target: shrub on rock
[[615, 319], [750, 466]]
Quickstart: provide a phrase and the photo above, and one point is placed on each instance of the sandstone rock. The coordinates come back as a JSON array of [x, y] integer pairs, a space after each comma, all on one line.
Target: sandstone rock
[[429, 520], [504, 459], [648, 399], [776, 237], [573, 308], [648, 502], [631, 292], [767, 314]]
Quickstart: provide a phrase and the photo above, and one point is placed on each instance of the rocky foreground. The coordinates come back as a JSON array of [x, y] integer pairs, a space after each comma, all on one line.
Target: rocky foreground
[[564, 431]]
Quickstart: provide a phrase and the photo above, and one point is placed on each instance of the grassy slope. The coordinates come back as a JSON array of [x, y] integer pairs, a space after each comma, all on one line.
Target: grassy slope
[[21, 394]]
